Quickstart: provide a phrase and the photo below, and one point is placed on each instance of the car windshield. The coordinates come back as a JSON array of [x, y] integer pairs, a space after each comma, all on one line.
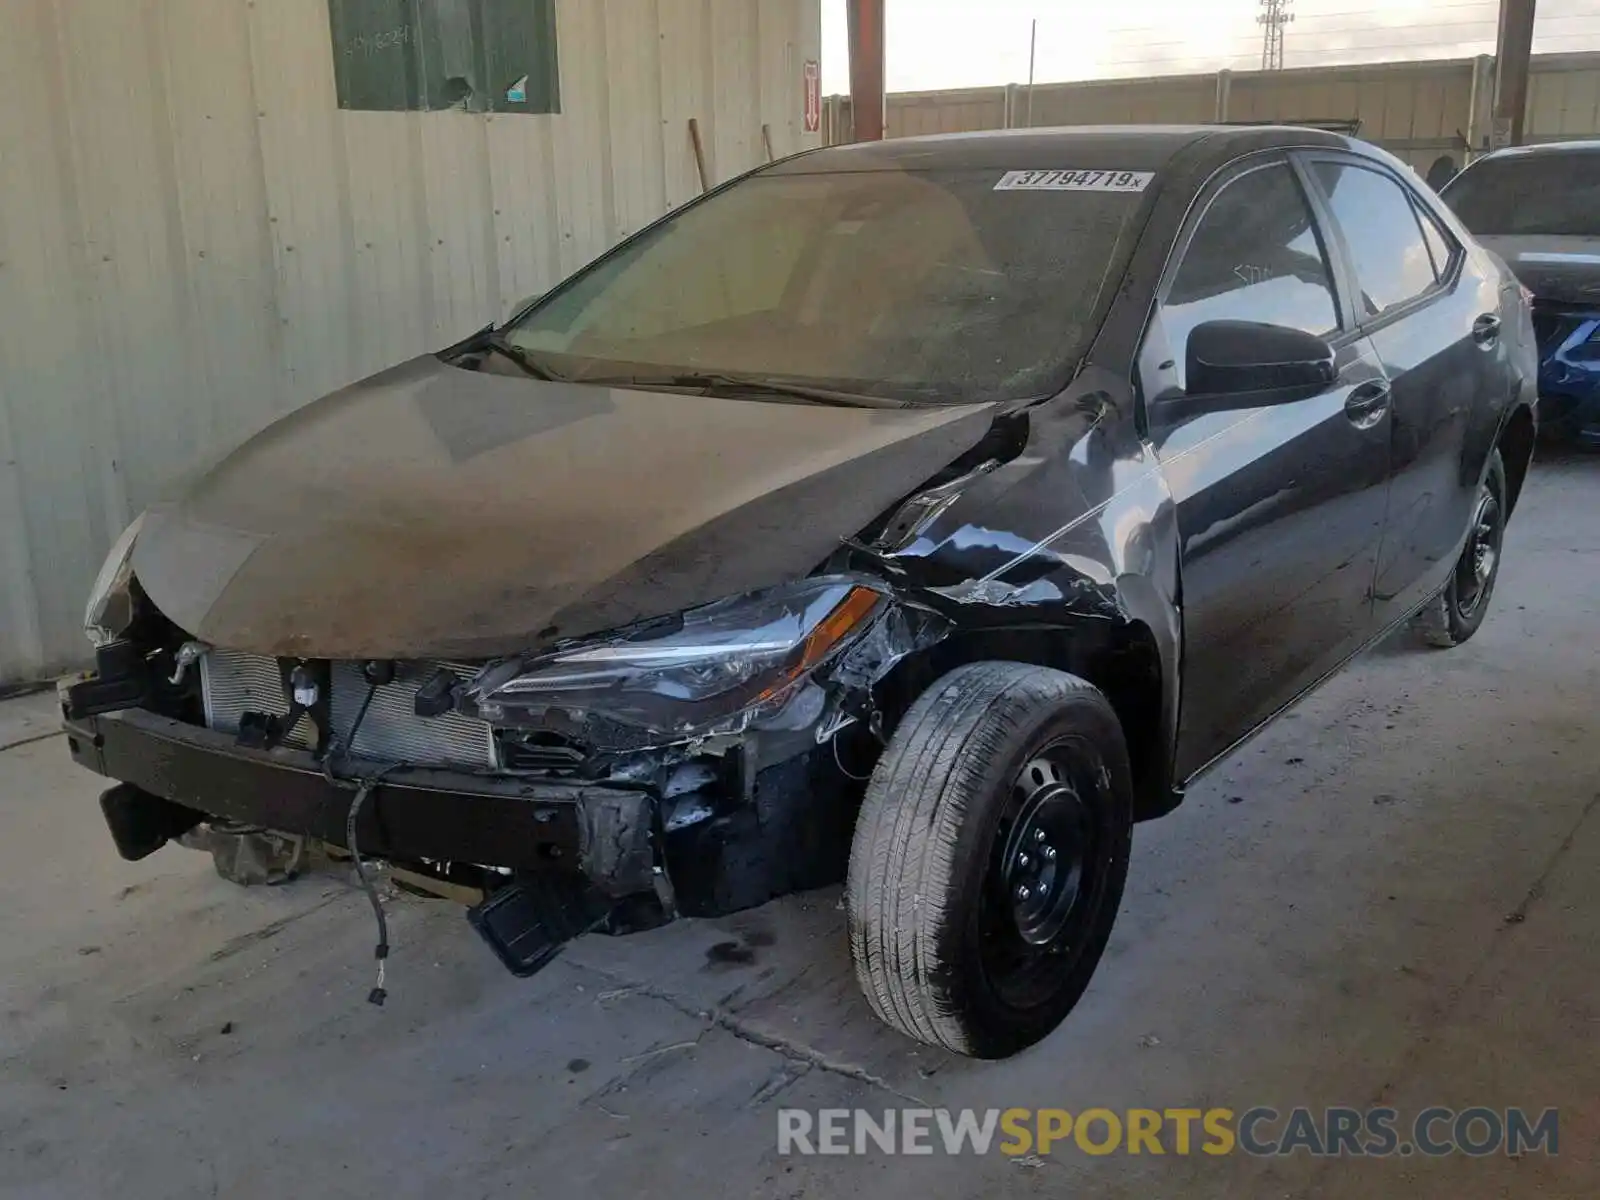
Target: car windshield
[[931, 287], [1534, 194]]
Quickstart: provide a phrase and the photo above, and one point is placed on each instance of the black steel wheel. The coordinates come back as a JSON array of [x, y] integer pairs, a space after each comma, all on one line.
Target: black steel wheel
[[1043, 877], [989, 858], [1454, 615]]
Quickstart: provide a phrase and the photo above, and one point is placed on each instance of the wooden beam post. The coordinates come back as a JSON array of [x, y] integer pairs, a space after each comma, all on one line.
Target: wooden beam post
[[699, 154]]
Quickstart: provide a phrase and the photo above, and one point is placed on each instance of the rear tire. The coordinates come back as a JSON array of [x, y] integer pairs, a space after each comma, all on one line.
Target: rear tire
[[1454, 615], [989, 858]]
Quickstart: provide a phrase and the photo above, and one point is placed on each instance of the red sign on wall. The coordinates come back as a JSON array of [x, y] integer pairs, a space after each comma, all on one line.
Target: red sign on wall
[[813, 80]]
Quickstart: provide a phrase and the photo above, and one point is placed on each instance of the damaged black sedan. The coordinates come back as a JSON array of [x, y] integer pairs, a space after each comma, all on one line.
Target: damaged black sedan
[[921, 514]]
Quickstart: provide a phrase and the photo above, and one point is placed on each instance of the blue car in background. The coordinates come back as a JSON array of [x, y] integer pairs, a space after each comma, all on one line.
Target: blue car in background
[[1538, 207]]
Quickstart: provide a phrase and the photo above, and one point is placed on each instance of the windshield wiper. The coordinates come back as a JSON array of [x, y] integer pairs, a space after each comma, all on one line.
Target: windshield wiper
[[497, 341], [718, 382]]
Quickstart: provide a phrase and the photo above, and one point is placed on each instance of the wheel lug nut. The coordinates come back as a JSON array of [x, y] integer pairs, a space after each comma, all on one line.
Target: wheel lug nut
[[1038, 835], [1048, 853], [1023, 861], [1024, 892]]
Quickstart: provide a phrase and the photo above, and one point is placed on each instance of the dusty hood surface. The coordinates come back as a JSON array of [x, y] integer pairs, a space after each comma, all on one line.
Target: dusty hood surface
[[434, 511], [1562, 269]]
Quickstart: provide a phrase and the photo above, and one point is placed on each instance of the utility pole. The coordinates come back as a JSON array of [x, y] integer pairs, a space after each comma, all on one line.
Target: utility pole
[[1513, 54], [1274, 15]]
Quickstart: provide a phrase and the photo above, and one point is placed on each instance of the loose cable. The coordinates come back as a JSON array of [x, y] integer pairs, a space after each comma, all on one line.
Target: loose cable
[[364, 787]]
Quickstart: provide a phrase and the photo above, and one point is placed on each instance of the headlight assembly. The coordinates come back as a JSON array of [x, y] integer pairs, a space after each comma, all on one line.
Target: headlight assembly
[[110, 609], [713, 670]]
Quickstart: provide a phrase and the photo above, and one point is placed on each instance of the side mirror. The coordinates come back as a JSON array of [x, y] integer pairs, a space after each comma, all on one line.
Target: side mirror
[[1235, 358]]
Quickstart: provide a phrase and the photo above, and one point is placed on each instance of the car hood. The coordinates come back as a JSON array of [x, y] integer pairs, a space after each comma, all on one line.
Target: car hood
[[433, 511], [1565, 270]]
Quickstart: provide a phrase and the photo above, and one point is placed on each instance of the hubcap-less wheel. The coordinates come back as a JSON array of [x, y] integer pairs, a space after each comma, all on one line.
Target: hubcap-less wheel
[[990, 856], [1041, 883], [1041, 861], [1454, 615], [1476, 569]]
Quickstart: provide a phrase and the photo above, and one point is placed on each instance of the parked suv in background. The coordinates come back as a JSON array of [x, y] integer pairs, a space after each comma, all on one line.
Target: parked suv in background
[[1538, 207], [1016, 476]]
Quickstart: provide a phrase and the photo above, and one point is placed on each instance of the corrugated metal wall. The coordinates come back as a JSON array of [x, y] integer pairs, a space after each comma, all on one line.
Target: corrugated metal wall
[[1418, 110], [194, 238]]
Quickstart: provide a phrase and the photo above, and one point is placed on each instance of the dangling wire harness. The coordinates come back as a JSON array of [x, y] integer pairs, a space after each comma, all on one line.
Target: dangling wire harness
[[363, 787]]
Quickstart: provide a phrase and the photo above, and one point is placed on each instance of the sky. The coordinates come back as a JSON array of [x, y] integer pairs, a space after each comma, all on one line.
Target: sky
[[976, 43]]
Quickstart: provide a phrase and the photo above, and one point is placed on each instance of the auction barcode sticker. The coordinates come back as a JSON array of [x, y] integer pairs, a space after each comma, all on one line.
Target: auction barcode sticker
[[1075, 181]]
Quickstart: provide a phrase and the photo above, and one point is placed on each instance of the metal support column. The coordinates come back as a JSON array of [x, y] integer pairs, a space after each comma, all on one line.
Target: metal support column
[[865, 18]]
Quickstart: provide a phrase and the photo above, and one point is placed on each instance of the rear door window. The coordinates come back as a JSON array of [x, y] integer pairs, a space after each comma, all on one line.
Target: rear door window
[[1393, 264]]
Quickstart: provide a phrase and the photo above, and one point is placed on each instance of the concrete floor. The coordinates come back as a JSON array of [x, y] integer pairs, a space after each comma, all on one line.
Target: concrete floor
[[1393, 896]]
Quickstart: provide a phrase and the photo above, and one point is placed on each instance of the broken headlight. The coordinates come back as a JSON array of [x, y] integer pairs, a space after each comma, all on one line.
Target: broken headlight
[[711, 670], [110, 609]]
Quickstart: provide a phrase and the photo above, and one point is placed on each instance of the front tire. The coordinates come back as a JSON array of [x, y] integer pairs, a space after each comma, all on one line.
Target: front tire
[[1454, 615], [989, 858]]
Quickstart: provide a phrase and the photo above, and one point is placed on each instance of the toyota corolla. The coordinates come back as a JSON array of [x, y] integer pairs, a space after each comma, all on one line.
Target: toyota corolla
[[920, 514]]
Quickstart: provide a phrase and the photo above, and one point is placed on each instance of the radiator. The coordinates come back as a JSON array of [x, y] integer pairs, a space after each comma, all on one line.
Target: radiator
[[235, 683]]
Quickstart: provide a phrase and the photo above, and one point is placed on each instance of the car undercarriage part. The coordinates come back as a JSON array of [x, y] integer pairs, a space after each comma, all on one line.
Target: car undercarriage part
[[528, 922], [141, 824], [248, 855]]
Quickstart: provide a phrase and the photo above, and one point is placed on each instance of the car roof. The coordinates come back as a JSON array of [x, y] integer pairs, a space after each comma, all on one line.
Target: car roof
[[1544, 150], [1105, 147]]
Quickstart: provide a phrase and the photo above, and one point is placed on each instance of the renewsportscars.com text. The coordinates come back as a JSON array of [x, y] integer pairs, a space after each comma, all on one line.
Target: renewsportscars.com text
[[1335, 1132]]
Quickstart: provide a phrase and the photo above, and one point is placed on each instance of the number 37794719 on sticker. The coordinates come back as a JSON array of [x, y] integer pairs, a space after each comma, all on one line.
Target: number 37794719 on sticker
[[1074, 181]]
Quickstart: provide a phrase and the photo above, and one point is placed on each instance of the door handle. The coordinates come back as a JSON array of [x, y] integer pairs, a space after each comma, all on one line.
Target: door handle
[[1366, 404], [1486, 329]]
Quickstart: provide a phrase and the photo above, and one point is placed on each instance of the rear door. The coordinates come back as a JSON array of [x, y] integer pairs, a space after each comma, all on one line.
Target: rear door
[[1434, 322], [1280, 505]]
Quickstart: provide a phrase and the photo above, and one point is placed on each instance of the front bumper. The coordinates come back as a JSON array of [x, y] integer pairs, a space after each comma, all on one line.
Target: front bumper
[[412, 814]]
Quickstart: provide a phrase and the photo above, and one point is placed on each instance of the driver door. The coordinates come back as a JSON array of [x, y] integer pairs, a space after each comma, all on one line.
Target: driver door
[[1280, 497]]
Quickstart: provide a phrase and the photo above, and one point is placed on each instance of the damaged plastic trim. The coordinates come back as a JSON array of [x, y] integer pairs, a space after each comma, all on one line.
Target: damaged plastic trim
[[926, 507]]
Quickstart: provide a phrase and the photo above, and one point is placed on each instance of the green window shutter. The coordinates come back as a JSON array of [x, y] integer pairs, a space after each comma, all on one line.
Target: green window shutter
[[421, 55], [377, 54]]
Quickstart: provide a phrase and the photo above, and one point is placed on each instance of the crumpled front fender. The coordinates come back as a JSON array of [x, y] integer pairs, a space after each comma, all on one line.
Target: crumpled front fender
[[1077, 533]]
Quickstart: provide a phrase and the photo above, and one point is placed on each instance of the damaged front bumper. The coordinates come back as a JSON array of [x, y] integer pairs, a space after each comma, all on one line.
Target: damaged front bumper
[[597, 803], [175, 775], [569, 857], [785, 829]]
